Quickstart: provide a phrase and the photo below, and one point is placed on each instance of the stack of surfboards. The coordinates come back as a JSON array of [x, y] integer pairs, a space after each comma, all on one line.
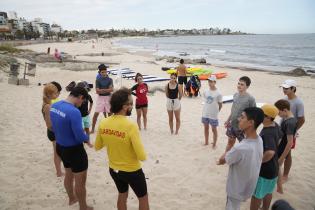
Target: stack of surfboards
[[130, 74]]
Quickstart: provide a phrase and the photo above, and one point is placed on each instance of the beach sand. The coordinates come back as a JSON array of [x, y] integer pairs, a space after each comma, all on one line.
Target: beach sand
[[181, 172]]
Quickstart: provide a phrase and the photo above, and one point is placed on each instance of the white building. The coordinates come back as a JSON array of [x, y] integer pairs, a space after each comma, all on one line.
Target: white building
[[21, 23], [4, 26], [39, 26], [12, 15], [56, 28]]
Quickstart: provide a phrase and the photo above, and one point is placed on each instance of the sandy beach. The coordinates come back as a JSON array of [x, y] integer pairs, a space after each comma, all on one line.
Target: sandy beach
[[181, 172]]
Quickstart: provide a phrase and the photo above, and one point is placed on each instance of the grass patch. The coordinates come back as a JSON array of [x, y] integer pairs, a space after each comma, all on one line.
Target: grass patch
[[9, 48]]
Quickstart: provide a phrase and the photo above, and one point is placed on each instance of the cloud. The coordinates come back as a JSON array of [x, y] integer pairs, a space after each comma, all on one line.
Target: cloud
[[245, 15]]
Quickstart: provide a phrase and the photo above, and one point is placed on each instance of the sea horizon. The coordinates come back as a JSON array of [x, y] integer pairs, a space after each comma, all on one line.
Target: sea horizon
[[273, 52]]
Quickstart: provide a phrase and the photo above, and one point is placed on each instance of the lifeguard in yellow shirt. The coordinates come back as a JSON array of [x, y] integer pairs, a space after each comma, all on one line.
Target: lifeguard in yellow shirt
[[125, 150]]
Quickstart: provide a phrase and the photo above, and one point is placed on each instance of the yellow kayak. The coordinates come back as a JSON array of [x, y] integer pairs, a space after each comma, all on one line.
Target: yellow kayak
[[189, 70]]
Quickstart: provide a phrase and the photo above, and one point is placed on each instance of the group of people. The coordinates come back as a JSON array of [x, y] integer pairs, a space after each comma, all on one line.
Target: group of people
[[254, 163]]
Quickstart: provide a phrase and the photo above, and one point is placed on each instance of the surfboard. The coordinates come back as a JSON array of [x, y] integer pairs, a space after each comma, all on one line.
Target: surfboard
[[123, 72], [227, 99], [156, 79], [115, 70]]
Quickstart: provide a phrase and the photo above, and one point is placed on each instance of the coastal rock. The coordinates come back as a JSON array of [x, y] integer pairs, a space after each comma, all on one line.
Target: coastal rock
[[200, 60], [173, 59], [298, 72]]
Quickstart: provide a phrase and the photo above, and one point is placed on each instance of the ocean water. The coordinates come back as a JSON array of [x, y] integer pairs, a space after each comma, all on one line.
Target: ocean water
[[269, 52]]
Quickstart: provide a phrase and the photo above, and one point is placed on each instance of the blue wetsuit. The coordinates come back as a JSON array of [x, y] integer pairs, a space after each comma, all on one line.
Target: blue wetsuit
[[67, 124]]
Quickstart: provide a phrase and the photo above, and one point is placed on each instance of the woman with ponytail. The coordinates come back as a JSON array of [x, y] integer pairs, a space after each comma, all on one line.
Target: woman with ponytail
[[50, 93]]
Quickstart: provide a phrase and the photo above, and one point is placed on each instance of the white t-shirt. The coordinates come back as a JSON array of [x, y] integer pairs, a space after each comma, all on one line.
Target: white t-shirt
[[211, 106], [296, 107], [244, 160]]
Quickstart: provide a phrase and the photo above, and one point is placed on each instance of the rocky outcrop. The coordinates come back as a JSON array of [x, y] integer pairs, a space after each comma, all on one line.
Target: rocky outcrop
[[173, 59], [298, 72]]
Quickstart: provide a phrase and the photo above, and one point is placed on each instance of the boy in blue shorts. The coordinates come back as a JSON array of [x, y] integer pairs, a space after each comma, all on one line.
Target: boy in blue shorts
[[268, 175], [211, 109]]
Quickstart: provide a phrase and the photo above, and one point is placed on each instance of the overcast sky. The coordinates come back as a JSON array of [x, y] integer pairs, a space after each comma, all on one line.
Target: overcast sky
[[253, 16]]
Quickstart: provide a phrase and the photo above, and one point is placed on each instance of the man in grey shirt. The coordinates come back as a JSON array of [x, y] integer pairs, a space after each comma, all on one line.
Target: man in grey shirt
[[244, 160], [241, 100], [297, 109]]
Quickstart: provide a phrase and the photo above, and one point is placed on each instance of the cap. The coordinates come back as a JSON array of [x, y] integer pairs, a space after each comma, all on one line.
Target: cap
[[83, 84], [212, 78], [270, 110], [102, 67], [288, 83]]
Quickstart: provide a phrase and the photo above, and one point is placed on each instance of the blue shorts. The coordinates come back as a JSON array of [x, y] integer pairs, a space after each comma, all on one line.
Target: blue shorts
[[264, 186], [233, 133], [86, 122], [212, 122]]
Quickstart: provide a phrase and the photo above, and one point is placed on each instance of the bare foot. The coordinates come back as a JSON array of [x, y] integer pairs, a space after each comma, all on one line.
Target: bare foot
[[284, 179], [88, 208], [214, 146], [205, 144], [92, 131], [60, 174], [279, 189], [176, 133], [73, 201]]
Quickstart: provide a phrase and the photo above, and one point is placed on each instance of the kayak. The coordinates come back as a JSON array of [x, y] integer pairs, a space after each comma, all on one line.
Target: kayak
[[219, 75], [189, 70], [202, 71]]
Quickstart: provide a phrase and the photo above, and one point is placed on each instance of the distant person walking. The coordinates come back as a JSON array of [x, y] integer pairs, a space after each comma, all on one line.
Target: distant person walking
[[173, 97], [297, 109], [67, 125], [140, 90], [50, 93], [125, 150], [182, 75]]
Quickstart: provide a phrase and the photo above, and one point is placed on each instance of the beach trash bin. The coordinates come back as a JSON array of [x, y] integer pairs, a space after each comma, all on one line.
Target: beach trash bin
[[31, 70], [14, 69]]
